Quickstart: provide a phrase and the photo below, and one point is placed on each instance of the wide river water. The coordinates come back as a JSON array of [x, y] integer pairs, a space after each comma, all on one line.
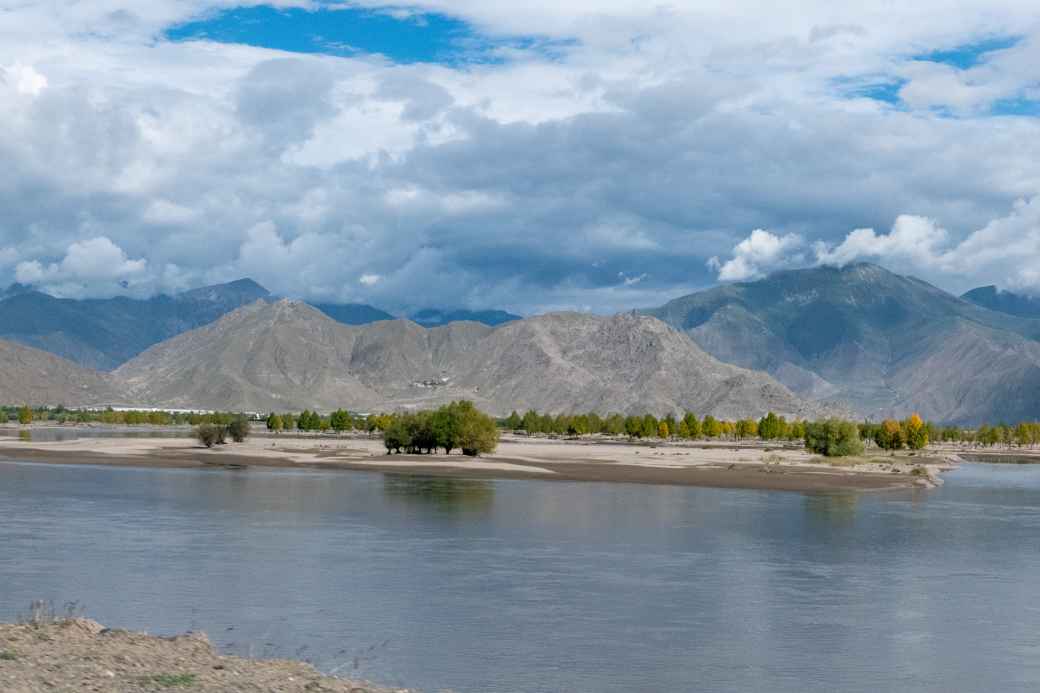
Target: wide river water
[[528, 586]]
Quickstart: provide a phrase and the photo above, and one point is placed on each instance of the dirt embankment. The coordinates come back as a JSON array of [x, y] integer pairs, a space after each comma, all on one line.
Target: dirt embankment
[[81, 655]]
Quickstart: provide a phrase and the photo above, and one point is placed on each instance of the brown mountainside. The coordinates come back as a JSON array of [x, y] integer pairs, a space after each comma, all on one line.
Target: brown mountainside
[[286, 355], [34, 377]]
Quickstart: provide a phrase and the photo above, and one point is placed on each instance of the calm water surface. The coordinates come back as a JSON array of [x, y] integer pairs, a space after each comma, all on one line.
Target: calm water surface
[[548, 586]]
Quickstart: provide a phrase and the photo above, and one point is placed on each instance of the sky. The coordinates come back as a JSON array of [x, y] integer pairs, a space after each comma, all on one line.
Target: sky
[[529, 156]]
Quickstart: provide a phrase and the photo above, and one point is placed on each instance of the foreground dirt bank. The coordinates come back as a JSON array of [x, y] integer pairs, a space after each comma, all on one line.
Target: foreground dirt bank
[[716, 465], [81, 655]]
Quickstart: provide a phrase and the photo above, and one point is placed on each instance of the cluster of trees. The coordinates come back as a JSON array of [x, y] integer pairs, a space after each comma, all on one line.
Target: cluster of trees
[[912, 433], [457, 425], [210, 434], [339, 421], [689, 426]]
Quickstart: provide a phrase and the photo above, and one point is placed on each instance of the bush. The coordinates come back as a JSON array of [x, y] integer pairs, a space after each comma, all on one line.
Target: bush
[[833, 438], [239, 429], [211, 434]]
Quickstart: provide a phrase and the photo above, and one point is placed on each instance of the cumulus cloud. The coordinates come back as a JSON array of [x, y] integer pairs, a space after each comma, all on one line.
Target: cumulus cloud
[[1002, 252], [93, 264], [913, 239], [758, 254]]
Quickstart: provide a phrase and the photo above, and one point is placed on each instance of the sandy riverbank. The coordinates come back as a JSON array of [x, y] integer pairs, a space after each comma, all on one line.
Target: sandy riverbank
[[718, 465], [80, 655]]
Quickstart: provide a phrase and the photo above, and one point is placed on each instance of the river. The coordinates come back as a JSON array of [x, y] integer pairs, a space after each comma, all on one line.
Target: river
[[528, 586]]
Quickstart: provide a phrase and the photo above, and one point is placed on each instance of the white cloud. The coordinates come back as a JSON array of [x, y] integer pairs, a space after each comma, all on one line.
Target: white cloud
[[96, 264], [369, 279], [913, 239], [25, 79], [758, 254], [1003, 252]]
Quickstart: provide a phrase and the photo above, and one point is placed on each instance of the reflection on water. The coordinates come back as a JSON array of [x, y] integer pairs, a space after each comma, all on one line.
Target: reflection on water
[[838, 506], [520, 586], [445, 493], [49, 434]]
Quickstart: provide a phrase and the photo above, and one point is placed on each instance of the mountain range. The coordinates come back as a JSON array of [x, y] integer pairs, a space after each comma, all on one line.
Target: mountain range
[[858, 340], [882, 343], [288, 355], [102, 334]]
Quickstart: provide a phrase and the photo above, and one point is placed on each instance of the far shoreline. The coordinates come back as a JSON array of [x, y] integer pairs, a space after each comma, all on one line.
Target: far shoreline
[[734, 466]]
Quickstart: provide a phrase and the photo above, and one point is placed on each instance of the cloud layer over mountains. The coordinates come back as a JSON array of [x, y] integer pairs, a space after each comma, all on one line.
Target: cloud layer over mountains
[[598, 160]]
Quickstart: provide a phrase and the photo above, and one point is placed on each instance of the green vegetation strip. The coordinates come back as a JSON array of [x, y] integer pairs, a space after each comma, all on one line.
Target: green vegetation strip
[[170, 680]]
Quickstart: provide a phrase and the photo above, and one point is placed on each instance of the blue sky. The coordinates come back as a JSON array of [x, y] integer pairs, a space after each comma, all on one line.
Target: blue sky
[[589, 154], [401, 36], [968, 55]]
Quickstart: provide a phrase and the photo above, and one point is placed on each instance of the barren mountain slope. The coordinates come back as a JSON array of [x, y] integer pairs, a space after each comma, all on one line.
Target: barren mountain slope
[[885, 344], [264, 356], [34, 377], [287, 355]]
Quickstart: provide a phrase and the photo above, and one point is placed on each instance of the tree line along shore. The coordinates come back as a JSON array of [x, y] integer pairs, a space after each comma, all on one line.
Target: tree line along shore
[[460, 425]]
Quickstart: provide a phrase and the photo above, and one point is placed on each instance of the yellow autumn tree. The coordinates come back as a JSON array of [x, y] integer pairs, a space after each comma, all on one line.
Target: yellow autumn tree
[[915, 432]]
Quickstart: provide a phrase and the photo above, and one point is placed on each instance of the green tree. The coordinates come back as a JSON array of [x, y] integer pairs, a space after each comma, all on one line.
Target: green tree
[[25, 415], [514, 422], [746, 428], [275, 423], [614, 425], [693, 425], [772, 427], [634, 426], [340, 421], [396, 436], [712, 427], [478, 434], [649, 429], [833, 438], [662, 430]]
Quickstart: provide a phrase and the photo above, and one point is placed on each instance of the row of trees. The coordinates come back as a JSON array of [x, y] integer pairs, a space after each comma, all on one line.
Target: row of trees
[[61, 415], [689, 426], [339, 421]]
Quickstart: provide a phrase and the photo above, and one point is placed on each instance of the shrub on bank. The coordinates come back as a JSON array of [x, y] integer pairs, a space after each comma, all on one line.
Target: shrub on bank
[[239, 429], [211, 434]]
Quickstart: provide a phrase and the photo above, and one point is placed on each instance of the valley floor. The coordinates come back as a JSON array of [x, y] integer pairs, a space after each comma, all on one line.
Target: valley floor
[[725, 465]]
